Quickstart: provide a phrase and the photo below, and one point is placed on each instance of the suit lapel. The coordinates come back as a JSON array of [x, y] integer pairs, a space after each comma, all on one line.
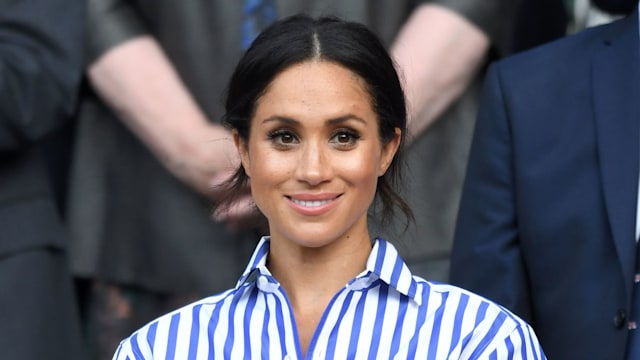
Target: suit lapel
[[616, 98]]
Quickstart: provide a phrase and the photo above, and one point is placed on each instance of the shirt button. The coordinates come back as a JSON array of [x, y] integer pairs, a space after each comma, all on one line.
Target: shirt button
[[262, 282], [620, 319]]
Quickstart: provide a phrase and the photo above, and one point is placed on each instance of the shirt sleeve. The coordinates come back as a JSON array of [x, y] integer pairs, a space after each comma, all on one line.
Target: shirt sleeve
[[504, 336], [493, 17], [133, 348], [110, 23], [40, 67], [123, 351], [523, 344]]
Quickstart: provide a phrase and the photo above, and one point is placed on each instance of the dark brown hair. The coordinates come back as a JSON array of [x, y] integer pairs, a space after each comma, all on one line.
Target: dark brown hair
[[301, 38]]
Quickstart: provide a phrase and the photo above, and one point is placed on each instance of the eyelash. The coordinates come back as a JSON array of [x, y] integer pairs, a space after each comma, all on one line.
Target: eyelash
[[276, 137], [353, 138]]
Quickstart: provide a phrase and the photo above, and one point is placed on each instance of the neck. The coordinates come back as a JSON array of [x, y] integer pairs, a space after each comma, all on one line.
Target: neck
[[312, 273], [312, 276]]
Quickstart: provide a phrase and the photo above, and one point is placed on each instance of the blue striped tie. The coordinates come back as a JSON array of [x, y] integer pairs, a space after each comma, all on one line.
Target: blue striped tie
[[257, 15]]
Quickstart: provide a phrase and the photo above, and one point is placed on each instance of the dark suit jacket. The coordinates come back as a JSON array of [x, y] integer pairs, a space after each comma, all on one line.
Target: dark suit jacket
[[547, 219], [616, 6], [40, 64], [40, 59]]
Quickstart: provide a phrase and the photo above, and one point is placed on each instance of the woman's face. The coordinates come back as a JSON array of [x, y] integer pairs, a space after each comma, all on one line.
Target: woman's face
[[314, 154]]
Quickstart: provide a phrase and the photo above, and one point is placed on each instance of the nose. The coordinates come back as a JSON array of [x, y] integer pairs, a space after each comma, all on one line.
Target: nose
[[314, 166]]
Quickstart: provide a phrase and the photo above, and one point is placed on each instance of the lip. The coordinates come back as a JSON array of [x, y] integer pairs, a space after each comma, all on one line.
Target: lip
[[313, 204]]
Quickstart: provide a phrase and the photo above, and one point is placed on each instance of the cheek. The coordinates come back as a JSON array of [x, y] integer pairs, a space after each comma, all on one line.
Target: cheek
[[268, 168], [361, 170], [269, 175]]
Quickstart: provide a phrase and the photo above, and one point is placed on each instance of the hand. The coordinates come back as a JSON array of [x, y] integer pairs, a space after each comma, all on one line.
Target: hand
[[140, 83], [242, 214], [206, 163], [206, 159]]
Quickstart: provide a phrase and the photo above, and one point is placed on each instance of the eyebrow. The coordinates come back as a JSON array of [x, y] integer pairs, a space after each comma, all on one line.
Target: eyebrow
[[332, 121]]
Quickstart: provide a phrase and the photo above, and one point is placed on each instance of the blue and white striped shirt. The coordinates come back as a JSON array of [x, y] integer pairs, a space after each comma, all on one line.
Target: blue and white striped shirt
[[383, 313]]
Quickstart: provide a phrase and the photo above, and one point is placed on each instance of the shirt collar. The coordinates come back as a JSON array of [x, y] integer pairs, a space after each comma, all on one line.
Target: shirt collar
[[384, 263], [258, 263]]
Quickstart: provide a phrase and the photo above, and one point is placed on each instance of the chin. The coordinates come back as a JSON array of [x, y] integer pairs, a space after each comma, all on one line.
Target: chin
[[313, 242], [309, 238]]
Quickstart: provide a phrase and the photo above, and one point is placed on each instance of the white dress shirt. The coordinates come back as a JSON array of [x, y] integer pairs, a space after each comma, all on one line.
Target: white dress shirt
[[383, 313]]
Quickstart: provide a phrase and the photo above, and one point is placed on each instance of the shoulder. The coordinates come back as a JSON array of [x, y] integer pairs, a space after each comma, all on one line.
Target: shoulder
[[553, 71], [174, 328], [565, 53], [483, 327], [464, 300]]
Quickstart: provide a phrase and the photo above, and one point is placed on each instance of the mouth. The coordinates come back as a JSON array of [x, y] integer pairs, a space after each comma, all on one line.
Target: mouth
[[313, 205]]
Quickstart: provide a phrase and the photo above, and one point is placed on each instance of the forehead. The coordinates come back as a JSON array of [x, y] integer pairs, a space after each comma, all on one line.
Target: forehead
[[317, 66], [316, 83]]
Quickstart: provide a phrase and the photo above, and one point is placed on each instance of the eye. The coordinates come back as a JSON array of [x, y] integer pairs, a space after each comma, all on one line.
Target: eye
[[283, 137], [345, 138], [286, 138]]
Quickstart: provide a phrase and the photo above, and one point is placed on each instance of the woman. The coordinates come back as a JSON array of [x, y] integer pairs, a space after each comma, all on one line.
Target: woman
[[318, 117]]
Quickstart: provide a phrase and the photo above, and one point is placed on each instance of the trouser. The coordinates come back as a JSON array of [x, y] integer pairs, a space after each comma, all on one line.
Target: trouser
[[39, 318]]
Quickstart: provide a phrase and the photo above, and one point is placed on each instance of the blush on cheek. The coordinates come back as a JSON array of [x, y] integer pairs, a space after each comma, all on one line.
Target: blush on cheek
[[359, 167], [363, 175]]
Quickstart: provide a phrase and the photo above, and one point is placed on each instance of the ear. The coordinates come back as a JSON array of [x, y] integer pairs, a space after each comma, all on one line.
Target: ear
[[243, 150], [389, 151]]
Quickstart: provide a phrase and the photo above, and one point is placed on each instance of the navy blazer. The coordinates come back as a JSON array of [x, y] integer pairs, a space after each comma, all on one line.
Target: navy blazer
[[547, 219], [40, 70]]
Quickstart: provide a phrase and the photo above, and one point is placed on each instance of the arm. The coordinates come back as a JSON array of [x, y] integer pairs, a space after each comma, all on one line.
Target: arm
[[438, 52], [138, 81], [487, 256], [40, 67], [132, 74]]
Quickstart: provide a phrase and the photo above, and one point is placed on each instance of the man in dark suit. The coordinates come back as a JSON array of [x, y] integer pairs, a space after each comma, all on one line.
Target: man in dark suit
[[40, 65], [547, 223]]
